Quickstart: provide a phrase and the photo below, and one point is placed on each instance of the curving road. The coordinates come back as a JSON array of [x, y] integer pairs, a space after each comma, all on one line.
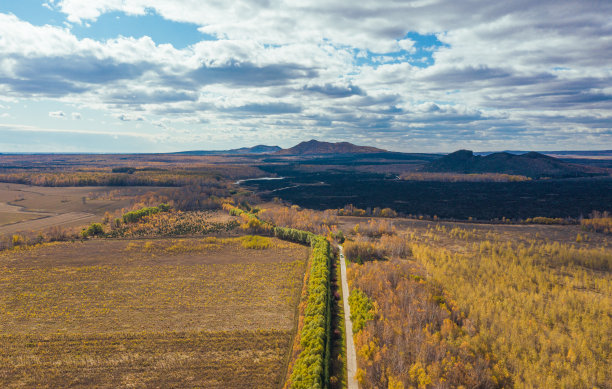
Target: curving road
[[351, 356]]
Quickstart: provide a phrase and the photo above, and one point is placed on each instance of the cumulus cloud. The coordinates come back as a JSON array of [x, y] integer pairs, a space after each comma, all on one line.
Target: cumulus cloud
[[245, 74], [412, 72], [336, 90], [266, 108], [138, 96], [408, 45]]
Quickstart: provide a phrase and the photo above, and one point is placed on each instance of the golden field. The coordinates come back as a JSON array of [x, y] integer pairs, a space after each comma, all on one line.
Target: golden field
[[204, 312]]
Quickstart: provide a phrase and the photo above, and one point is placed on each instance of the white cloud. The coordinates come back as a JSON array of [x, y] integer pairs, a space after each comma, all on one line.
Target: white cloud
[[302, 68], [57, 114], [76, 116], [408, 45], [128, 117]]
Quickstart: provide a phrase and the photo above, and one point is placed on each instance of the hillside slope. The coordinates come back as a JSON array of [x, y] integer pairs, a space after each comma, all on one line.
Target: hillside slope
[[531, 164], [314, 147], [259, 149]]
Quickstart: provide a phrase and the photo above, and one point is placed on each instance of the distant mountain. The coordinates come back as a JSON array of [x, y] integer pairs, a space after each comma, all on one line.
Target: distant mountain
[[532, 164], [569, 153], [314, 147], [259, 149]]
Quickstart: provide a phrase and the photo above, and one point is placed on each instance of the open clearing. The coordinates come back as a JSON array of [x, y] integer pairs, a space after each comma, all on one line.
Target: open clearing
[[148, 313], [7, 218], [70, 219], [57, 200], [33, 208], [480, 231]]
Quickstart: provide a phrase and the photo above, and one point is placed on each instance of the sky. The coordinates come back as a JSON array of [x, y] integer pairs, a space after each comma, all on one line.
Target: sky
[[413, 76]]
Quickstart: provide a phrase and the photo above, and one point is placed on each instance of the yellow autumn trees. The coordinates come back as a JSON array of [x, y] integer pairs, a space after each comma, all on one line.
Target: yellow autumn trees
[[410, 335]]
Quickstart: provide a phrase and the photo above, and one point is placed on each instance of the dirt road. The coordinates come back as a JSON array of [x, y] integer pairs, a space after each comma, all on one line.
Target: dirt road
[[351, 356]]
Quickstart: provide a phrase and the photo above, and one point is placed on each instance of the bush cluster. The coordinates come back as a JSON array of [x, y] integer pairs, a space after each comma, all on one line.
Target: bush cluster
[[363, 251], [598, 222], [173, 224], [134, 216], [293, 235], [351, 210], [255, 242], [233, 211], [362, 309], [251, 222], [318, 222], [546, 220], [94, 229]]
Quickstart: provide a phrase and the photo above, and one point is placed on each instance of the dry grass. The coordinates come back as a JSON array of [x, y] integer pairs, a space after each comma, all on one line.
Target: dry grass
[[64, 220], [59, 200], [145, 360], [25, 208], [148, 313], [7, 218], [441, 234]]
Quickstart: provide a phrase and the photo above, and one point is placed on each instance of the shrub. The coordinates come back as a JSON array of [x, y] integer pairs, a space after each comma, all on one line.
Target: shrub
[[293, 235], [598, 222], [302, 219], [546, 220], [233, 211], [251, 222], [375, 228], [362, 309], [17, 240], [255, 242], [94, 229], [134, 216], [361, 251], [173, 224]]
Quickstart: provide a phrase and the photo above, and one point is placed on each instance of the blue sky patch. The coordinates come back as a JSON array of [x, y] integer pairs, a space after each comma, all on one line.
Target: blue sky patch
[[421, 56], [110, 25], [32, 11]]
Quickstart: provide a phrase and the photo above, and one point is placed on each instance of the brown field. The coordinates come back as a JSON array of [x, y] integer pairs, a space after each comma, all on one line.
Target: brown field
[[70, 219], [33, 208], [7, 218], [148, 313], [483, 231], [57, 199]]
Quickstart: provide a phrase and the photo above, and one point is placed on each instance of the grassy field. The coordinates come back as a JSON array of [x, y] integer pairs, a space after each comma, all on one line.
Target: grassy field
[[204, 312]]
